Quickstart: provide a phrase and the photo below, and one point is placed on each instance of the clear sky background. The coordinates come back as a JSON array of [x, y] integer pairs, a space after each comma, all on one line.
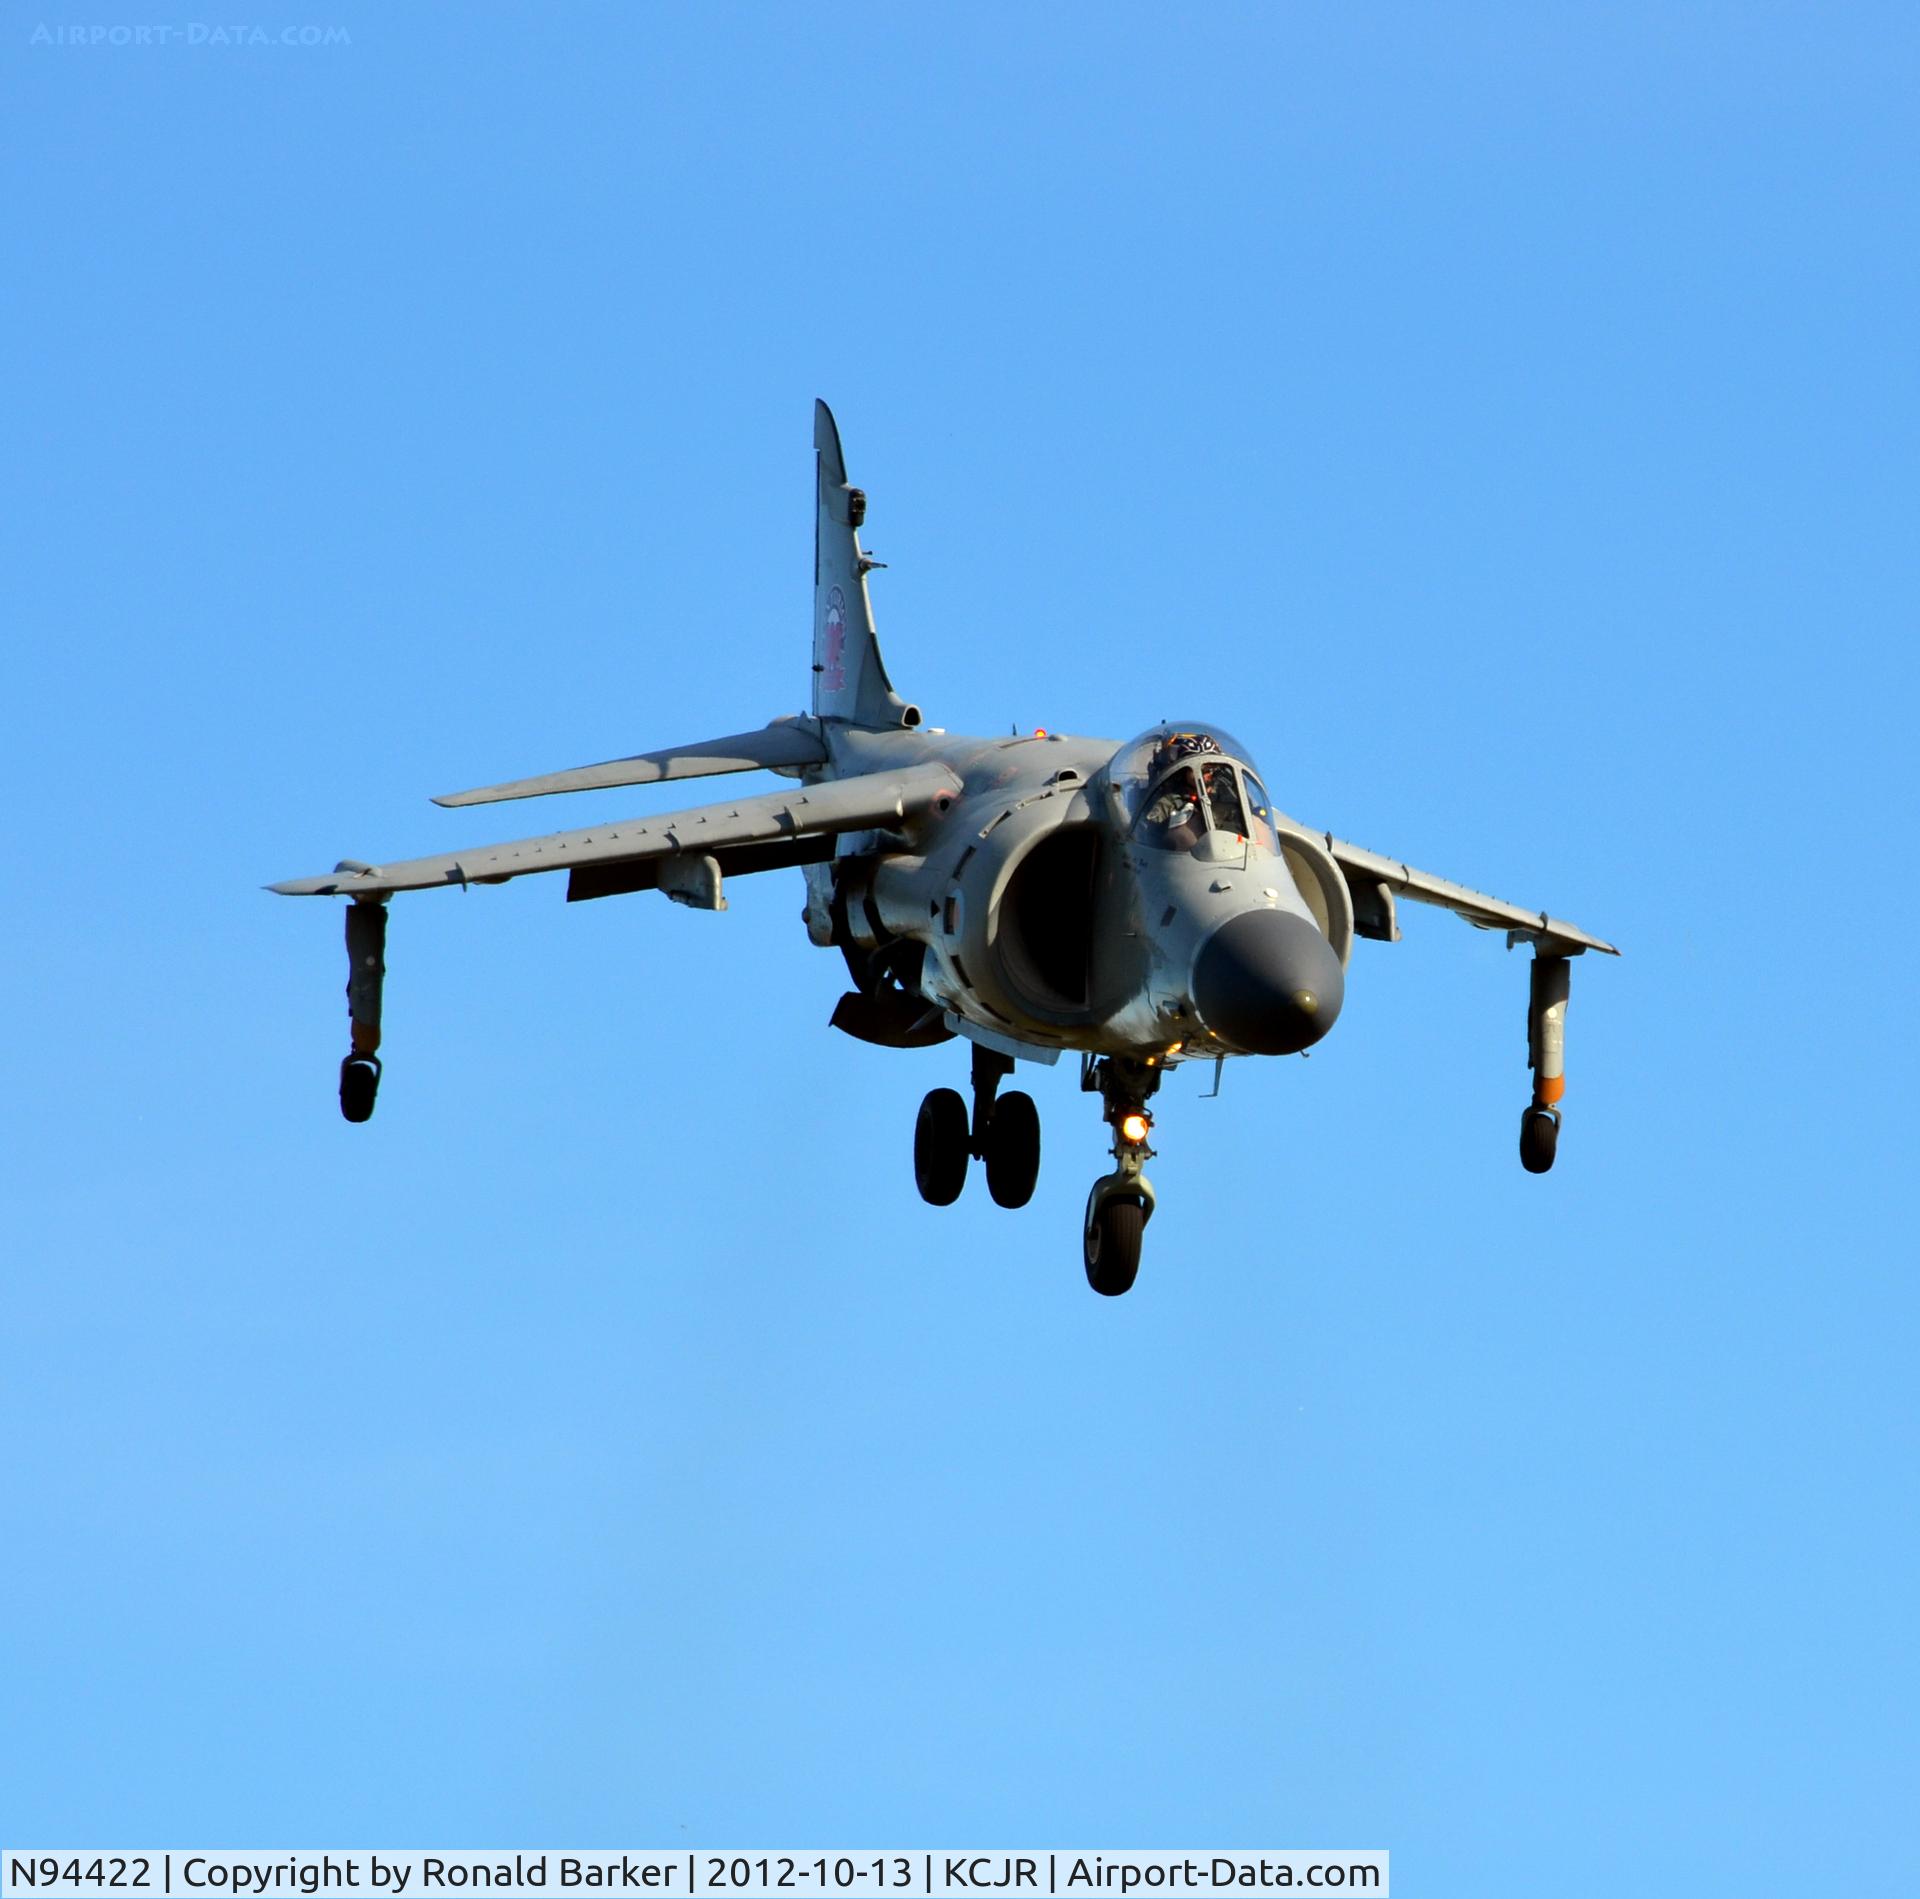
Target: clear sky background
[[1502, 416]]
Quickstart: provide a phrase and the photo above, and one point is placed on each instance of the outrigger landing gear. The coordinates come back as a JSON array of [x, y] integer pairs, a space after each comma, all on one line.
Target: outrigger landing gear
[[1121, 1202], [366, 973], [1003, 1131], [1549, 984]]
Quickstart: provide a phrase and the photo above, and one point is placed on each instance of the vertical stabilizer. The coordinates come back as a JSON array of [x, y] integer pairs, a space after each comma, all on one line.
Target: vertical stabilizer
[[849, 677]]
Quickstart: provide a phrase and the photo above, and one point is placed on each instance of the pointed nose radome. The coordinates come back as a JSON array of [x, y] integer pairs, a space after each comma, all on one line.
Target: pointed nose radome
[[1268, 982]]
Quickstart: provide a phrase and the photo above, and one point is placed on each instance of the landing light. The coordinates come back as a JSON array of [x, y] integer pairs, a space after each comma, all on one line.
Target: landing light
[[1133, 1127]]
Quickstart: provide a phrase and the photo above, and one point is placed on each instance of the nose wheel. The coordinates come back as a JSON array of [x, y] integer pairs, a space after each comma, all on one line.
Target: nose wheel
[[1111, 1243]]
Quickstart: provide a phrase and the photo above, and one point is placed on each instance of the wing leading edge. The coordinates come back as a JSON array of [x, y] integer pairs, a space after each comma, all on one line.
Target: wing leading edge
[[847, 804], [1367, 873], [785, 745]]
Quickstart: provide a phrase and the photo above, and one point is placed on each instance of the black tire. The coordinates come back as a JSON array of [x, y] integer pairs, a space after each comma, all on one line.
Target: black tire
[[1539, 1137], [1013, 1150], [359, 1083], [940, 1148], [1112, 1246]]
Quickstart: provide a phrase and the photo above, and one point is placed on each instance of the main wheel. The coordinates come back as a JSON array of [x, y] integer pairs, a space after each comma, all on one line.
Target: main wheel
[[940, 1148], [1539, 1136], [359, 1083], [1112, 1246], [1013, 1150]]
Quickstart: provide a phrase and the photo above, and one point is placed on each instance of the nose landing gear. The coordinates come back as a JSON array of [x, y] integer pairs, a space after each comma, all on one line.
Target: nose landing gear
[[1120, 1203], [1003, 1131]]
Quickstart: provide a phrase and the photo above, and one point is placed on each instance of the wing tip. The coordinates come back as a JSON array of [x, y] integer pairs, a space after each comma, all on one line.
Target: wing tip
[[348, 878], [1556, 927]]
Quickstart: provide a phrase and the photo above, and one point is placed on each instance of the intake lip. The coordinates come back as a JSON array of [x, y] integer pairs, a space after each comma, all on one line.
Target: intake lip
[[1268, 982]]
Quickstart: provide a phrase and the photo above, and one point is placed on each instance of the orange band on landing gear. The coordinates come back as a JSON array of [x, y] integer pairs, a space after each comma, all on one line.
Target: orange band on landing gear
[[1548, 1089]]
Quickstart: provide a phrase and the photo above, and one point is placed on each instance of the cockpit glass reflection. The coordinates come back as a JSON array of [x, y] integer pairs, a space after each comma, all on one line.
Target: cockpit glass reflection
[[1172, 820], [1223, 799], [1261, 811]]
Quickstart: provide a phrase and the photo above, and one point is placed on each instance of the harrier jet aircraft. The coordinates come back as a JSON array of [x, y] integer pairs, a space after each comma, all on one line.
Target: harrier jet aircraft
[[1139, 905]]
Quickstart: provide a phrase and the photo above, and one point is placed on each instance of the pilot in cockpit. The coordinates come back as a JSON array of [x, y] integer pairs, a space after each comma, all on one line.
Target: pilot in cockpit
[[1172, 821], [1223, 800], [1175, 818]]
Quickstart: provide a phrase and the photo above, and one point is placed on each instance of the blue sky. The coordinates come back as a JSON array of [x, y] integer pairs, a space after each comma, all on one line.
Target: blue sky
[[1502, 416]]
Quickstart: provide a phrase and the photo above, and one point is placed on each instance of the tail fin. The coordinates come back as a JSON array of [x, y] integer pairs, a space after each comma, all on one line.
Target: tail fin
[[849, 677]]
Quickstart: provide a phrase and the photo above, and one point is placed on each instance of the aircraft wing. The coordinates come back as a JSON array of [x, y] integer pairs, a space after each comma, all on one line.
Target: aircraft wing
[[782, 745], [1368, 874], [848, 804]]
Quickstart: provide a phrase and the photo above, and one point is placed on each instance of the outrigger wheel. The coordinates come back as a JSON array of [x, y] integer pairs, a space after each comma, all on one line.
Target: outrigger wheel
[[359, 1083], [1539, 1137], [366, 976]]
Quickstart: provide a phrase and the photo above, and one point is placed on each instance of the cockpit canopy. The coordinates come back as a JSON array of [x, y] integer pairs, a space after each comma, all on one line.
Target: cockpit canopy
[[1144, 759], [1181, 781]]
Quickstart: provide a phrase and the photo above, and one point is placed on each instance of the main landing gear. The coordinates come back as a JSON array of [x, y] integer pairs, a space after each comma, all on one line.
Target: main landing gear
[[1003, 1131]]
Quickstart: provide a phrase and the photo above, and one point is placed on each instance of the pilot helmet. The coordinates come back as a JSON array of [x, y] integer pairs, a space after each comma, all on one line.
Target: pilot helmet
[[1178, 745]]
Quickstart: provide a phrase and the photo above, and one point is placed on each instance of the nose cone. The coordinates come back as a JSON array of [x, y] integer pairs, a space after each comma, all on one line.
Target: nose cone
[[1268, 982]]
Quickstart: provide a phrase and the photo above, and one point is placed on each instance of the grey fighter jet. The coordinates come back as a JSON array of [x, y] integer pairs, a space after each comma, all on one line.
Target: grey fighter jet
[[1139, 905]]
